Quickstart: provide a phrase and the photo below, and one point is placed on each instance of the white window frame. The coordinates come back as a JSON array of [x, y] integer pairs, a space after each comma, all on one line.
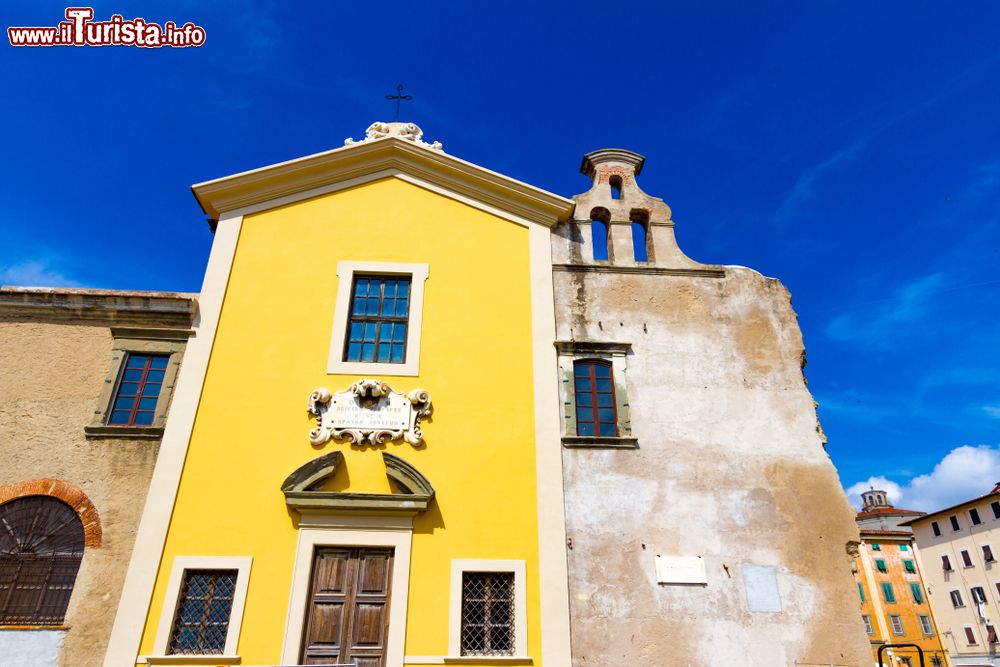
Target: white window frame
[[346, 271], [893, 620], [927, 630], [869, 628], [461, 565], [184, 564], [335, 530]]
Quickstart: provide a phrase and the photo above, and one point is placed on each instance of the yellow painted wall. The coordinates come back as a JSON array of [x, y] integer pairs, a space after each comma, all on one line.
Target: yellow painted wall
[[271, 352]]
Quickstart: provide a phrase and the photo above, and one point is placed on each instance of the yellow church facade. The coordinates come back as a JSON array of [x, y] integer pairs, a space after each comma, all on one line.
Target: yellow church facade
[[362, 464]]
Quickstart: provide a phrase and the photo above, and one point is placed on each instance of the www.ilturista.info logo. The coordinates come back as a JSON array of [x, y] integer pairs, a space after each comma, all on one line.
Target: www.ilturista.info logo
[[81, 30]]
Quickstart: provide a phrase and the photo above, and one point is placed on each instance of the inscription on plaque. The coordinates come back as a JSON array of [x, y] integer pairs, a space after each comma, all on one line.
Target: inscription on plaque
[[369, 411]]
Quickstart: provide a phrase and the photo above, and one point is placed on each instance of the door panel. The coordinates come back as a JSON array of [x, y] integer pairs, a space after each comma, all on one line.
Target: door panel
[[348, 614]]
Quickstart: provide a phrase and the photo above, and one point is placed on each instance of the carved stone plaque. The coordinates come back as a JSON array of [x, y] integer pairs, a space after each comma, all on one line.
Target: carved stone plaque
[[369, 411]]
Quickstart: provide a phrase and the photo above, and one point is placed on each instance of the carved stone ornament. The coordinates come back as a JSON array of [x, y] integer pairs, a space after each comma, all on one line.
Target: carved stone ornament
[[408, 131], [369, 411]]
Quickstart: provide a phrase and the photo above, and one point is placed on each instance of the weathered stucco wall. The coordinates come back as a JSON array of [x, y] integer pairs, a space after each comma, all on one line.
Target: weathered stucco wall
[[53, 370], [730, 464]]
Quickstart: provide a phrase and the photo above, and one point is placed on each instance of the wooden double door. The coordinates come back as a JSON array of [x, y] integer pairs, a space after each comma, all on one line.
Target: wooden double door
[[348, 615]]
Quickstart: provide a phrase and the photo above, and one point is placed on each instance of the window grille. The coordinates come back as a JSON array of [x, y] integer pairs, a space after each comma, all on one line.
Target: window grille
[[596, 413], [138, 390], [41, 546], [376, 330], [201, 622], [488, 613]]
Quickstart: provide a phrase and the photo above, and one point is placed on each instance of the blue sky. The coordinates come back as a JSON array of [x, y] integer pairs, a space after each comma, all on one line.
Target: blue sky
[[850, 149]]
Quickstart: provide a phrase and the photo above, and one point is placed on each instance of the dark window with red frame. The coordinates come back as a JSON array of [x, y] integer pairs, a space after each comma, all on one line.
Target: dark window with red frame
[[596, 413], [138, 390], [41, 546], [380, 307]]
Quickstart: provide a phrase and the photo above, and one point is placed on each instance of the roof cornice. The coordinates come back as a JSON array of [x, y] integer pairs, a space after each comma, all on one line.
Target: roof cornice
[[256, 187], [122, 308]]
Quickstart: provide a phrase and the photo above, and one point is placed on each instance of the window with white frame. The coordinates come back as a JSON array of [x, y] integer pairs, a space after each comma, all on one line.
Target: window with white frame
[[488, 608], [377, 318], [203, 608], [925, 625], [868, 624], [897, 624]]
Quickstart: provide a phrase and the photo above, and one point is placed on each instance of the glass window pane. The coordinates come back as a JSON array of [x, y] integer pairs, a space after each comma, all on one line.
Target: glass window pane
[[582, 385], [605, 400], [147, 404], [125, 404], [581, 370], [608, 430], [128, 389], [603, 384], [119, 417], [606, 415], [390, 289], [385, 332], [585, 428], [154, 376], [159, 362], [401, 306], [404, 288], [361, 287], [383, 352], [372, 306], [368, 352], [143, 418], [397, 354], [584, 415], [354, 352], [357, 331], [584, 399], [136, 361], [359, 306], [370, 332], [151, 390], [603, 371], [132, 375], [399, 333]]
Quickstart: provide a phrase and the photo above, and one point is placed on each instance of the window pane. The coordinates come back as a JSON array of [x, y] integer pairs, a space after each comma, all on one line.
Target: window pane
[[581, 370], [143, 418], [585, 428], [608, 430], [399, 333], [354, 352], [585, 400], [132, 375], [603, 384], [606, 415], [159, 362], [582, 385], [585, 415], [128, 389], [390, 289], [147, 404], [397, 354], [368, 352], [383, 352], [385, 331], [151, 390], [370, 329], [602, 370], [124, 404], [136, 361], [154, 376], [119, 417], [361, 287], [605, 400], [357, 331]]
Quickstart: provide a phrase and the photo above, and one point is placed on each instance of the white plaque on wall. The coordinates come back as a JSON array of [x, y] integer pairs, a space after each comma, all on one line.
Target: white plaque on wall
[[368, 411], [680, 570]]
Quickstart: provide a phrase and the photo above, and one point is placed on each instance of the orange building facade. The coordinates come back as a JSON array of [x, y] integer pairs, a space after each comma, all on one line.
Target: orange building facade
[[893, 595]]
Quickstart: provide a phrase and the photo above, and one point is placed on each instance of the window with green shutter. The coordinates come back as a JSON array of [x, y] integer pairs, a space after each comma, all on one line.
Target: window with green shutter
[[861, 591], [903, 547], [880, 565], [876, 547], [918, 595], [887, 593], [909, 566]]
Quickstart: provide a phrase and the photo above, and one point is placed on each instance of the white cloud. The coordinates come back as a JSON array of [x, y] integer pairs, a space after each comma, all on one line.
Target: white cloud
[[964, 473], [34, 273]]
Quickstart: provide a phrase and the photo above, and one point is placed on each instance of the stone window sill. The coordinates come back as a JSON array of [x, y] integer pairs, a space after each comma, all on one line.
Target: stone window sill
[[95, 431], [594, 442], [214, 659]]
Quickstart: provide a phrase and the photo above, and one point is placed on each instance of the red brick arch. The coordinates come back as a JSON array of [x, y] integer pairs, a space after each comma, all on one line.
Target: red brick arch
[[66, 492]]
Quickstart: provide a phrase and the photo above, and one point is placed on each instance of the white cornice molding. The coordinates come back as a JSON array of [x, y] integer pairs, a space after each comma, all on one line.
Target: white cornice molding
[[259, 186]]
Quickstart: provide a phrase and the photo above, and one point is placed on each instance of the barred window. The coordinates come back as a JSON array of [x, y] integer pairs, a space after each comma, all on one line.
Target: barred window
[[487, 613], [201, 622], [596, 413], [376, 329], [41, 546], [138, 390]]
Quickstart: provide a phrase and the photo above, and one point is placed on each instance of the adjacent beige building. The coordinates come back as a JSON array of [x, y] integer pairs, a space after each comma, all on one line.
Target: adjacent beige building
[[956, 550], [75, 469]]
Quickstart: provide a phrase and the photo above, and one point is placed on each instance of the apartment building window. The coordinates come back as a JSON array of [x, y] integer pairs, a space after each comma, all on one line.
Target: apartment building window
[[991, 634], [861, 591], [925, 625], [595, 398], [876, 547], [887, 593], [202, 620], [918, 595], [988, 553], [897, 624], [595, 394], [966, 558], [954, 523], [936, 528], [945, 563], [909, 567], [974, 517], [978, 594], [880, 565], [995, 506], [868, 624], [970, 636], [903, 547], [956, 599]]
